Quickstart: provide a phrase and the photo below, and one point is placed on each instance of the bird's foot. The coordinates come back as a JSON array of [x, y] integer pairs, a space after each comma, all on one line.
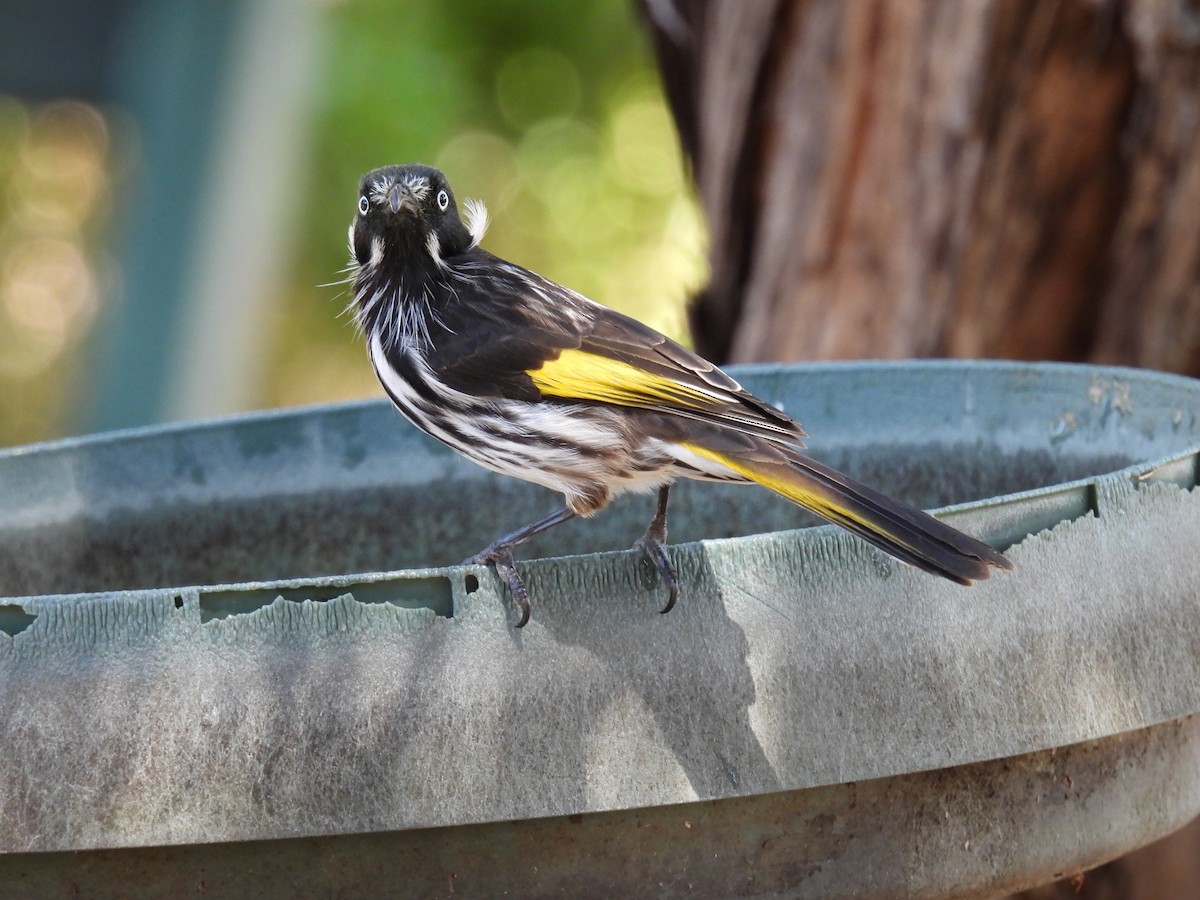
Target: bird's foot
[[653, 544], [500, 557]]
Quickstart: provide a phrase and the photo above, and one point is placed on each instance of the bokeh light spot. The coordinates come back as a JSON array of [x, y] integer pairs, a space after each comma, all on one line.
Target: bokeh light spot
[[536, 83], [645, 152], [483, 165]]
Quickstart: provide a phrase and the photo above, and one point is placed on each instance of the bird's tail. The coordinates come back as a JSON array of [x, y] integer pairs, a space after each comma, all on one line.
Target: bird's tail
[[906, 533]]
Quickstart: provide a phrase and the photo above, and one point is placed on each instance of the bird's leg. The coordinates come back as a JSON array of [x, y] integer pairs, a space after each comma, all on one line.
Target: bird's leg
[[499, 554], [654, 544]]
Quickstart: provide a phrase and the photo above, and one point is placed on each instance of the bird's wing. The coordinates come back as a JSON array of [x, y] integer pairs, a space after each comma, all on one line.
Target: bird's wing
[[515, 335], [624, 362]]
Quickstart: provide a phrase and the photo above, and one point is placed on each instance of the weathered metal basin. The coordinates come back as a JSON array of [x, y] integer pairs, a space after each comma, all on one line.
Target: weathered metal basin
[[193, 689]]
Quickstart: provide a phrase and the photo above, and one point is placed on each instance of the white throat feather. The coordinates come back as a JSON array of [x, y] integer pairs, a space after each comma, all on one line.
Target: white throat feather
[[477, 219]]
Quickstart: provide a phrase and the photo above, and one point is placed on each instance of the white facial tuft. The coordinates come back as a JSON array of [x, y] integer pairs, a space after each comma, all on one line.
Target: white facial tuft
[[418, 186], [477, 220], [434, 246]]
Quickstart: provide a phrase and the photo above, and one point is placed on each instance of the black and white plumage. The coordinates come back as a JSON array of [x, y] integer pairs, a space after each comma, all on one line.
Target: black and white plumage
[[533, 380]]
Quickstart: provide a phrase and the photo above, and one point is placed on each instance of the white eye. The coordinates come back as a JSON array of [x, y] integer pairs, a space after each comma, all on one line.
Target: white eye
[[364, 205], [443, 200]]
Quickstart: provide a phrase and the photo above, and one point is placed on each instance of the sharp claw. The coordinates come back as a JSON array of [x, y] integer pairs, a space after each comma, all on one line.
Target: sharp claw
[[516, 586], [500, 558], [653, 544], [672, 591], [657, 554]]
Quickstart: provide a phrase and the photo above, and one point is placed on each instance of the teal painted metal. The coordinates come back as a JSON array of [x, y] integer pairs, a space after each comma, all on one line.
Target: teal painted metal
[[169, 64], [923, 835], [180, 611]]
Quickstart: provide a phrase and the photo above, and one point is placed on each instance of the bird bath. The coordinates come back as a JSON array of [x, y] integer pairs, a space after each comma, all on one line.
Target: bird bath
[[193, 689]]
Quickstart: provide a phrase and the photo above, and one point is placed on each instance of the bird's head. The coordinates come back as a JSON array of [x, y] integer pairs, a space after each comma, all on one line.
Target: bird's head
[[407, 217]]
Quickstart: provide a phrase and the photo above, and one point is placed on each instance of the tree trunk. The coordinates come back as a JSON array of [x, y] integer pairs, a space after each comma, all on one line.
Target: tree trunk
[[999, 178], [976, 178]]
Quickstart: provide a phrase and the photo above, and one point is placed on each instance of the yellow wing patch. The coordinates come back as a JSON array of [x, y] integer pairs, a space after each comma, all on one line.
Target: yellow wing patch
[[794, 488], [579, 375]]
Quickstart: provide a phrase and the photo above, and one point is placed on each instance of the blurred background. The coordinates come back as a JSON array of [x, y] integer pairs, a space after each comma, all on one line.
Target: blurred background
[[176, 181]]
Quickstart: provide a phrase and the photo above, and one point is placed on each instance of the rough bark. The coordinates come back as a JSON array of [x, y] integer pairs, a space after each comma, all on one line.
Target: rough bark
[[999, 178], [1009, 178]]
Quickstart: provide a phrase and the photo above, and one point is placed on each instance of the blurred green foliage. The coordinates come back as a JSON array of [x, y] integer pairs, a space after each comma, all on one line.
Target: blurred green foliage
[[551, 113]]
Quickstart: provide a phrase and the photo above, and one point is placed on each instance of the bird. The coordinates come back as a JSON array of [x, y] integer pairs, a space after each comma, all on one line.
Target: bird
[[531, 379]]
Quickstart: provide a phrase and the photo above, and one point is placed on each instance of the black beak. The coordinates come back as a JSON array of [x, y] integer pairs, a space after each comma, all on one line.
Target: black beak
[[399, 198]]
